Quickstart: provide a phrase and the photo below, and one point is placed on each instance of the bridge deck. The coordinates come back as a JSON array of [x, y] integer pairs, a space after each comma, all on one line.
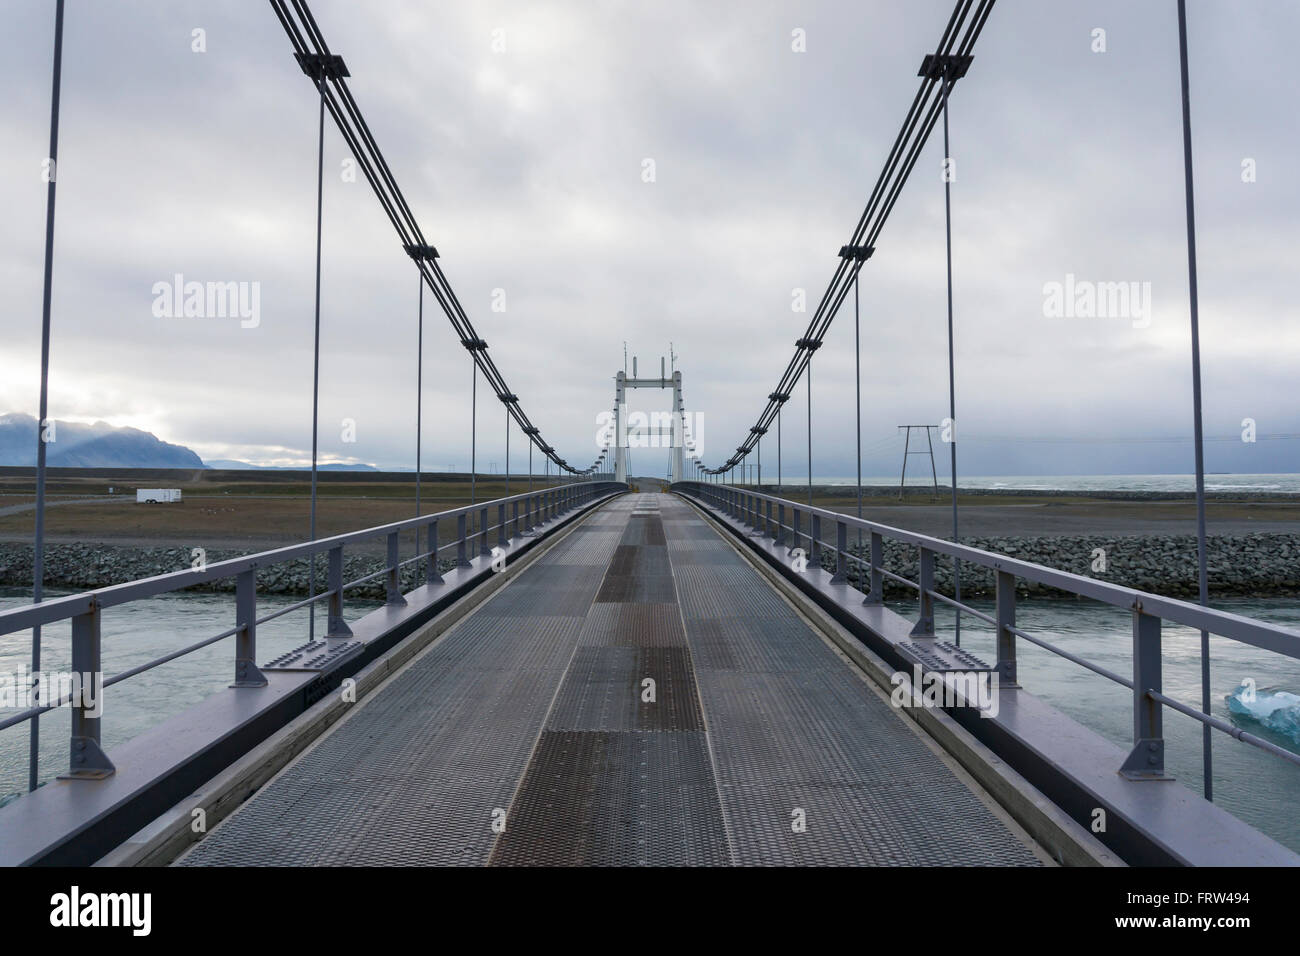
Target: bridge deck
[[533, 706]]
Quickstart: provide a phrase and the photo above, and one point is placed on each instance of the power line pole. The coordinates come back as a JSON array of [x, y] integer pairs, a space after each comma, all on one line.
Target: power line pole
[[907, 444]]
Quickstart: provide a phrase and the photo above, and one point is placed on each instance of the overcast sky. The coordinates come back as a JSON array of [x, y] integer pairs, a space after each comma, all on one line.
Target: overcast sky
[[524, 167]]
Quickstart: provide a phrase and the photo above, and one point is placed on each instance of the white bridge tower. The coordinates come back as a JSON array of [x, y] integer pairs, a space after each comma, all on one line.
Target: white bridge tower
[[648, 430]]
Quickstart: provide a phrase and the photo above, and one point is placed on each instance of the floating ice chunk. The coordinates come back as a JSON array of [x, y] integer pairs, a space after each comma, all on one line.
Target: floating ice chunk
[[1278, 710]]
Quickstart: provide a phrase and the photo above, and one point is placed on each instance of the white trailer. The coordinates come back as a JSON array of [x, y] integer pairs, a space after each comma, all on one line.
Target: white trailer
[[149, 496]]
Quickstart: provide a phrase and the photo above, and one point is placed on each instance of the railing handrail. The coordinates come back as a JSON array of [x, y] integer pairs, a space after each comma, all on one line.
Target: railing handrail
[[1149, 611], [71, 605], [1261, 634], [87, 758]]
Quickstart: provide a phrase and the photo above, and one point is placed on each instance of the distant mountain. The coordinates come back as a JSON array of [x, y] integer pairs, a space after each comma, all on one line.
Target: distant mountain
[[229, 464], [89, 446]]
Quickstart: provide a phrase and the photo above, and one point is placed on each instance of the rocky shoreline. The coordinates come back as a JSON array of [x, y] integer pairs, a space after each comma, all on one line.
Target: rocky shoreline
[[926, 492], [85, 567], [1256, 565], [1249, 565]]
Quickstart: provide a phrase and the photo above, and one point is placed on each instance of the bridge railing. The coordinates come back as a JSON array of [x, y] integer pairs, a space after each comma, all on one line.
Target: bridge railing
[[792, 524], [515, 515]]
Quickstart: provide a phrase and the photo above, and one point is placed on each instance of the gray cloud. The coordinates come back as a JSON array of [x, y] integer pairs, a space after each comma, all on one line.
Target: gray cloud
[[524, 169]]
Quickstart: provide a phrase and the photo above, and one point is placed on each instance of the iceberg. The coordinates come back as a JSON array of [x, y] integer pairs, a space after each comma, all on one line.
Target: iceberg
[[1277, 710]]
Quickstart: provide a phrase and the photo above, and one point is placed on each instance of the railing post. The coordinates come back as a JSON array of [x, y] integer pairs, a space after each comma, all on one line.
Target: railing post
[[501, 526], [767, 521], [815, 541], [462, 532], [925, 623], [88, 760], [483, 531], [514, 523], [779, 534], [1006, 638], [336, 626], [1147, 759], [794, 529], [841, 555], [394, 571], [247, 673], [877, 593], [432, 574]]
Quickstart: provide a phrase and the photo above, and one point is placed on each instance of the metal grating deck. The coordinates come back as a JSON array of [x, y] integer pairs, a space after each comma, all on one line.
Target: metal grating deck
[[531, 711]]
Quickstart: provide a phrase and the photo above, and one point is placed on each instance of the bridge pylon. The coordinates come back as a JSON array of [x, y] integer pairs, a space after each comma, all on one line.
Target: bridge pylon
[[626, 423]]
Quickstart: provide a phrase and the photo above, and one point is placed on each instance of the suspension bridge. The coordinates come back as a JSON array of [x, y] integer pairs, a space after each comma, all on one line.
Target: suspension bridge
[[587, 674]]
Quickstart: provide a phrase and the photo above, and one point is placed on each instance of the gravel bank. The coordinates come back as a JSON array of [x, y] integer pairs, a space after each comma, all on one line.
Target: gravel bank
[[83, 567], [1254, 565], [1258, 565]]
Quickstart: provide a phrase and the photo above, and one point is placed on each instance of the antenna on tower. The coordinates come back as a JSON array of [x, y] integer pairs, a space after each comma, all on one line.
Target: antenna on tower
[[625, 358]]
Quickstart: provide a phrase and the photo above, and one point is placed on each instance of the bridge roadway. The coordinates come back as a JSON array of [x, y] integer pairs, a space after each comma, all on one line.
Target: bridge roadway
[[530, 712]]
